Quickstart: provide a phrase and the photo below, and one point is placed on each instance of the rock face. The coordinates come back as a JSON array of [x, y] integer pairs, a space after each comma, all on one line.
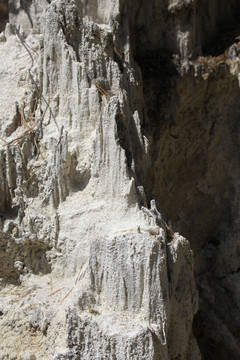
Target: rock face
[[109, 109]]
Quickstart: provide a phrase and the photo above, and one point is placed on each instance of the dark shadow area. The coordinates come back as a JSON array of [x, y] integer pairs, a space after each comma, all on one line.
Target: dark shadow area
[[17, 259], [25, 5], [78, 180], [195, 141], [194, 173], [195, 126], [4, 14], [228, 34], [73, 38], [213, 345]]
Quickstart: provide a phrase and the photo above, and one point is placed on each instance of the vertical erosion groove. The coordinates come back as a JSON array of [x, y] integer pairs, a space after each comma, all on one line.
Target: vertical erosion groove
[[195, 126]]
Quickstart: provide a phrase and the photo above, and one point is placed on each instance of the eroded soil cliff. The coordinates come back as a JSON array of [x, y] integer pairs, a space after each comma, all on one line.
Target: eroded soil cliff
[[109, 112]]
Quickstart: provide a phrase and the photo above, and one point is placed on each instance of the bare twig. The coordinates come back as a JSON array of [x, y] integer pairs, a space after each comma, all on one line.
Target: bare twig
[[102, 91], [56, 291], [39, 168], [66, 295], [27, 47], [92, 311], [27, 132]]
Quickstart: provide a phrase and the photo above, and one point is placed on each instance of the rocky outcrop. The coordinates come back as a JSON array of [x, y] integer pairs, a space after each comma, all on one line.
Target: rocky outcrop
[[107, 111]]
